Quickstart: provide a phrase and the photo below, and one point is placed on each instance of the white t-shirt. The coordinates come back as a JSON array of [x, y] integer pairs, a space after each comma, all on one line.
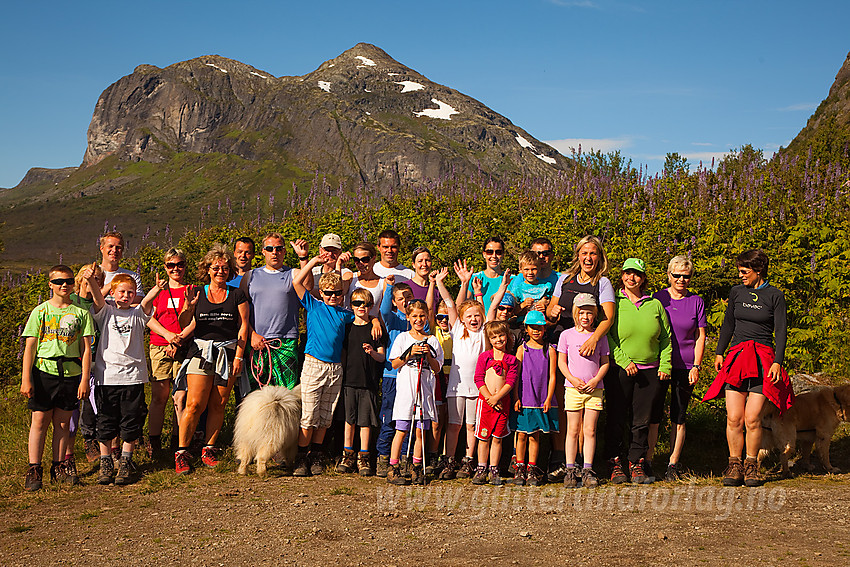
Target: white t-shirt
[[317, 274], [464, 358], [108, 276], [377, 295], [408, 376], [120, 357], [401, 273]]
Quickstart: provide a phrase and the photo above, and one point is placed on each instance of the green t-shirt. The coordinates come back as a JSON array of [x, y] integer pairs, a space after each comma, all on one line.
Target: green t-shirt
[[59, 332]]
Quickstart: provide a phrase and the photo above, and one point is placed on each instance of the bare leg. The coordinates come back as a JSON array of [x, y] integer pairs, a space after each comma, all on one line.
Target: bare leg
[[365, 438], [470, 440], [735, 405], [521, 443], [61, 433], [752, 420], [452, 434], [197, 396], [348, 434], [483, 452], [533, 447], [41, 420], [677, 440], [495, 451], [573, 431], [652, 441], [159, 399], [591, 417]]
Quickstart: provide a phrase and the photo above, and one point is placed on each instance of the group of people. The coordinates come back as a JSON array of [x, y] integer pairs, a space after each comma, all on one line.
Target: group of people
[[391, 351]]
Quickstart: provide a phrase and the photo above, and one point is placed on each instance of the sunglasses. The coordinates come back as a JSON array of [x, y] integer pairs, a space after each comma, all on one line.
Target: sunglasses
[[62, 281], [363, 260], [681, 276], [491, 251], [504, 308], [442, 317], [545, 253], [172, 265], [220, 269], [332, 293], [278, 248], [360, 303]]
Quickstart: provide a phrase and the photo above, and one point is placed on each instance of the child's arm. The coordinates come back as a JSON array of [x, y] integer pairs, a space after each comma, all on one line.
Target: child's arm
[[589, 346], [377, 328], [497, 297], [440, 280], [511, 376], [26, 369], [604, 363], [429, 299], [96, 293], [464, 275], [147, 302], [565, 370], [300, 279], [520, 354], [377, 354], [83, 389], [387, 298], [553, 374]]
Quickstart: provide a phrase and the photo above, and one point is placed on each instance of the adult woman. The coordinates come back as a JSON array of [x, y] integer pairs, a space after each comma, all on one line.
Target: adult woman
[[640, 343], [166, 336], [364, 255], [218, 315], [686, 312], [586, 274], [421, 260], [752, 371]]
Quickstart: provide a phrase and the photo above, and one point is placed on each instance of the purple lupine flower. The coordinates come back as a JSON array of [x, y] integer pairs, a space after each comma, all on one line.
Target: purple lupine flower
[[814, 262]]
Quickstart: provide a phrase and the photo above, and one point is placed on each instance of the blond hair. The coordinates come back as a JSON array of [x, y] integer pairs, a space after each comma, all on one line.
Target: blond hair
[[494, 328], [330, 280], [601, 266], [363, 294], [217, 252], [466, 306]]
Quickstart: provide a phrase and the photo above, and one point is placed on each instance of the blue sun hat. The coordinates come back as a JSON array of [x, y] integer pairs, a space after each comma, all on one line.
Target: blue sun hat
[[534, 318], [508, 300]]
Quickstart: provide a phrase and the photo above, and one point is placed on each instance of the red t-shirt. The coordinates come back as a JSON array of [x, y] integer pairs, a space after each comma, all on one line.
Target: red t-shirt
[[166, 308]]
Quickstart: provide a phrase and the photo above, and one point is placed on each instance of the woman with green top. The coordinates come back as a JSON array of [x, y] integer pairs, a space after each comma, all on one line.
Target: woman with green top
[[642, 351]]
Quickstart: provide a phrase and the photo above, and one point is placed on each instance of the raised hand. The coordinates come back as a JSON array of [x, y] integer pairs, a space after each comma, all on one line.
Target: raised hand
[[160, 283], [301, 247], [343, 259], [390, 279], [441, 275], [462, 271]]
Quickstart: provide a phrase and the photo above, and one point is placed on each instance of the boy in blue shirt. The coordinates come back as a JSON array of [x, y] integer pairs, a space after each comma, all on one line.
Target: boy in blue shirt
[[526, 288]]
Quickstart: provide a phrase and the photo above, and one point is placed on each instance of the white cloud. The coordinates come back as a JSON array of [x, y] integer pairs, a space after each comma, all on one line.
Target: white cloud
[[798, 107], [605, 145]]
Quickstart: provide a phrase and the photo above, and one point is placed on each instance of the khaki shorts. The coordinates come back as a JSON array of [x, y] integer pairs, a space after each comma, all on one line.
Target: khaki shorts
[[321, 383], [576, 401], [461, 409], [163, 367]]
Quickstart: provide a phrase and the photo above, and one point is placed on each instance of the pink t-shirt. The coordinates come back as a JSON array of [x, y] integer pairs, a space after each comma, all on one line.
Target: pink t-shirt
[[582, 367]]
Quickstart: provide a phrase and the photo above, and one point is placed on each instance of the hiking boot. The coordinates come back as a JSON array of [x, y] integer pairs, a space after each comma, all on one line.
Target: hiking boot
[[107, 471], [618, 475], [535, 476], [71, 476], [495, 477], [673, 473], [125, 471], [364, 464], [512, 466], [751, 472], [734, 473], [383, 466], [317, 462], [416, 474], [301, 466], [33, 479], [116, 455], [520, 471], [466, 469], [588, 478], [347, 463], [395, 477], [442, 461], [92, 448], [637, 471], [209, 456], [181, 462], [480, 476], [450, 470], [431, 464], [558, 474], [570, 478], [57, 472], [404, 466]]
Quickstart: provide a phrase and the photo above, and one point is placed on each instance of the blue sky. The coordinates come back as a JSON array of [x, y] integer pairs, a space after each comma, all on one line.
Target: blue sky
[[646, 78]]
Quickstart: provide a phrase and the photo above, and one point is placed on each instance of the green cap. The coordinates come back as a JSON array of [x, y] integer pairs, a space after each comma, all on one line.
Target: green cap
[[635, 264]]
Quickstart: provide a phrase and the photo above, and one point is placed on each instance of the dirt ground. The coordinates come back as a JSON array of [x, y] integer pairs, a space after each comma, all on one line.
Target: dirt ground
[[220, 518]]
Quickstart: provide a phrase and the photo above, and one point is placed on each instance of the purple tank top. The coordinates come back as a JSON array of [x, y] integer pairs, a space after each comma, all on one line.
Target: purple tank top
[[535, 376]]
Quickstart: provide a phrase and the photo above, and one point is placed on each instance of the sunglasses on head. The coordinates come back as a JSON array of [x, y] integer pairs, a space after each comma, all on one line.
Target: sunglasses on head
[[172, 265], [680, 276], [62, 281], [278, 248], [362, 260], [332, 292], [360, 303], [442, 317], [491, 251]]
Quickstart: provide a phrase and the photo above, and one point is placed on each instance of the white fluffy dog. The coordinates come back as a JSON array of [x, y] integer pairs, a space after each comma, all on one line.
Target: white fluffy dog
[[267, 424]]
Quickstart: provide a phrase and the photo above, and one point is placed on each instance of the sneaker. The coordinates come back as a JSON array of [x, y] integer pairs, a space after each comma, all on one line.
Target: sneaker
[[558, 474], [181, 462], [364, 464], [209, 456], [71, 476], [751, 473], [57, 472], [107, 471], [618, 475], [512, 467], [535, 476], [92, 448], [450, 470], [520, 471], [673, 473], [466, 469], [637, 471], [734, 473], [317, 463], [348, 463], [125, 471], [33, 479], [495, 478], [570, 477], [301, 466], [480, 476], [417, 476], [383, 466], [588, 478], [395, 477]]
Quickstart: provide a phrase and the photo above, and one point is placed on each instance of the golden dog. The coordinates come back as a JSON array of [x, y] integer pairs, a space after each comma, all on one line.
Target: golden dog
[[267, 424]]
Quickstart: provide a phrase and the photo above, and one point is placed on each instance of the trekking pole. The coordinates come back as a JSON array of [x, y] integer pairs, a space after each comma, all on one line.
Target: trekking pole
[[412, 432]]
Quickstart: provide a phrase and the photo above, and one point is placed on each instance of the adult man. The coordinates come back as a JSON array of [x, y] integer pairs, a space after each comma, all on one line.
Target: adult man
[[545, 254], [332, 245], [273, 321], [389, 243], [243, 251], [112, 251]]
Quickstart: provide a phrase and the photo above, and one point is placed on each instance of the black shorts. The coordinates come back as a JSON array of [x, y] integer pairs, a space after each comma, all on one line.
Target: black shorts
[[50, 392], [361, 407], [121, 412], [679, 397], [753, 385]]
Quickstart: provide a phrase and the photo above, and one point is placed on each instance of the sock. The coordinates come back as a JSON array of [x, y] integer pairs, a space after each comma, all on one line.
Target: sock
[[394, 462], [127, 454], [348, 449], [532, 463], [417, 461], [182, 449], [571, 465], [587, 466], [518, 462]]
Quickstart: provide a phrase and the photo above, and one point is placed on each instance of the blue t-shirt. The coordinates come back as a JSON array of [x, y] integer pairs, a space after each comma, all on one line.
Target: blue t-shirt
[[489, 286], [395, 323], [523, 290], [235, 281], [325, 329], [274, 303]]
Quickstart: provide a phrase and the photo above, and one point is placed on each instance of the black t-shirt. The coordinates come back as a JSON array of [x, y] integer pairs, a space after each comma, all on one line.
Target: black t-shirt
[[218, 321], [569, 289], [755, 315], [361, 370]]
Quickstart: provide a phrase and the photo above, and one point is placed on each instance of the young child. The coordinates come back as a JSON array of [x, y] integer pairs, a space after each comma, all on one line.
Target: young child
[[418, 358], [466, 323], [495, 375], [321, 376], [534, 412], [583, 391], [393, 303], [443, 333], [364, 357], [530, 292], [55, 374], [120, 371]]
